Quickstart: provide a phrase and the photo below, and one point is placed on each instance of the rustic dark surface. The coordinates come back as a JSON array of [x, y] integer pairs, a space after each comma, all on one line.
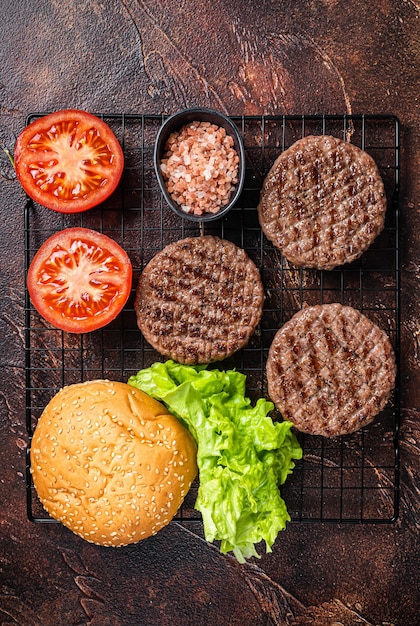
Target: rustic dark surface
[[241, 57]]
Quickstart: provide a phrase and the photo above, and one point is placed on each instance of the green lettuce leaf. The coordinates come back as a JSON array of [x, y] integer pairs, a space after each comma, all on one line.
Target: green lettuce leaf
[[243, 456]]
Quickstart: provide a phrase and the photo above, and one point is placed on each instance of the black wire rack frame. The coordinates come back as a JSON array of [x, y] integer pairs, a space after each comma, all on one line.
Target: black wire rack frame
[[350, 479]]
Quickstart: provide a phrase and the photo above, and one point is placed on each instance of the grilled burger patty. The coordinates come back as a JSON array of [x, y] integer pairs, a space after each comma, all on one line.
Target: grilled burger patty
[[330, 370], [322, 203], [199, 300]]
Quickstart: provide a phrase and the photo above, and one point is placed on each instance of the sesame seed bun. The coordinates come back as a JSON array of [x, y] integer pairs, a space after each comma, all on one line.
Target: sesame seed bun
[[110, 462]]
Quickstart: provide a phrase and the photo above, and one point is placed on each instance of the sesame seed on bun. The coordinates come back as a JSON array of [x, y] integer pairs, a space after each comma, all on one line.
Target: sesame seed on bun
[[110, 462]]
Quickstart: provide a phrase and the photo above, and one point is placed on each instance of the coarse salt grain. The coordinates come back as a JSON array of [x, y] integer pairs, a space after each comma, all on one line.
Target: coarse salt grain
[[200, 167]]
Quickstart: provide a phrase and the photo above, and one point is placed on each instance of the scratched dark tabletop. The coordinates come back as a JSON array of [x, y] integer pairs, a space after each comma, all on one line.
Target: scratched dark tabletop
[[244, 58]]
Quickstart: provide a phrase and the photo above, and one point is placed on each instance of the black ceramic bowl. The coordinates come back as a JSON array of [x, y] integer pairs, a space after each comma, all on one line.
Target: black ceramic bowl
[[175, 123]]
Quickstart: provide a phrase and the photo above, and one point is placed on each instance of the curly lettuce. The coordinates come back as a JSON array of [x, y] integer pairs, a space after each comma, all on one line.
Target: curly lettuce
[[243, 456]]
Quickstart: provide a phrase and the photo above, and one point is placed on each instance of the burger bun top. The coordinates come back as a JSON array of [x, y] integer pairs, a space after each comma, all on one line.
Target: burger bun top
[[110, 462]]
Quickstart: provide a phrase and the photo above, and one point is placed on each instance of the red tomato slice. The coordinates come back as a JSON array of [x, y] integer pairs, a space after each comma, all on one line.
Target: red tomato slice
[[68, 161], [79, 280]]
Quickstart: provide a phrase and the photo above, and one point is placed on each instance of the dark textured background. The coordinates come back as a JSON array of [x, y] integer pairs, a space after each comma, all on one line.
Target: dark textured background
[[241, 57]]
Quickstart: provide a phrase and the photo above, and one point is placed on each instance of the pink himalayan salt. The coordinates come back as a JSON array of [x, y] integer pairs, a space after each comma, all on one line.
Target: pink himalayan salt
[[200, 167]]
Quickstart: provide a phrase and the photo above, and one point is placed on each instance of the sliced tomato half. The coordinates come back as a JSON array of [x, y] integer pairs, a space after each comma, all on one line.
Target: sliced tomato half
[[79, 280], [68, 161]]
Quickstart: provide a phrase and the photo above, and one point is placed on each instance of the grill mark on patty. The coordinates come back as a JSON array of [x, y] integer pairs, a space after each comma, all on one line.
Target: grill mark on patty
[[199, 300], [330, 370], [307, 201]]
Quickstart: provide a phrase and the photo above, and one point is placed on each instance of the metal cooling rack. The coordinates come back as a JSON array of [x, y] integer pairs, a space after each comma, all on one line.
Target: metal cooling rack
[[348, 479]]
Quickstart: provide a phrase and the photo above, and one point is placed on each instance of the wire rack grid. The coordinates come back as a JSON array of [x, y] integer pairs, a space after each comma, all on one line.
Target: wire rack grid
[[351, 479]]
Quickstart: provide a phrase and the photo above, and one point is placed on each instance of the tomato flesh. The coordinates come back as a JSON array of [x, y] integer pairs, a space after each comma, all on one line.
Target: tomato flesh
[[79, 280], [68, 161]]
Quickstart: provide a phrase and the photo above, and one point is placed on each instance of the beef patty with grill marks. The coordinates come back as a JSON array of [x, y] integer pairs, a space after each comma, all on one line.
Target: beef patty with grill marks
[[199, 300], [330, 370], [322, 203]]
